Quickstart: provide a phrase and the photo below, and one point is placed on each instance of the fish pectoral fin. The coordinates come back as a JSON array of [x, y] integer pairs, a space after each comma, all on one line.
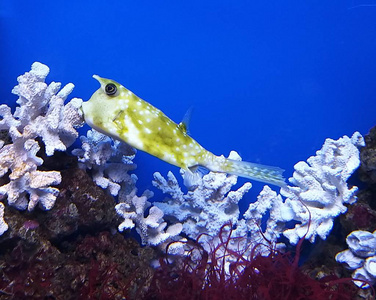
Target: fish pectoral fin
[[193, 176], [199, 169], [193, 169], [116, 116]]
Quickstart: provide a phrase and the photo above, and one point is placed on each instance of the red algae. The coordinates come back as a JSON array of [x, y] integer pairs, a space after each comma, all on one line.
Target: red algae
[[201, 275]]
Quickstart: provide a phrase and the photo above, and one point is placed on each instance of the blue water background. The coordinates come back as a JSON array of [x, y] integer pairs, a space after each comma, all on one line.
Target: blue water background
[[269, 79]]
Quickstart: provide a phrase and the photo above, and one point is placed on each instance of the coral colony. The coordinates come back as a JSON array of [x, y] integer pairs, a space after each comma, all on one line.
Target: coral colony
[[208, 212], [361, 256], [41, 114]]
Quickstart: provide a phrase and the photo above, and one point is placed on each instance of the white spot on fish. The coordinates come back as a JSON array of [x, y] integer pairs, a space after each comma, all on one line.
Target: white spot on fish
[[139, 122], [132, 133], [139, 103], [147, 130]]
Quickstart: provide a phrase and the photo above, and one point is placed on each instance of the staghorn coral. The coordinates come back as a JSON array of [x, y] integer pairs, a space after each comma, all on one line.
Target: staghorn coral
[[41, 114]]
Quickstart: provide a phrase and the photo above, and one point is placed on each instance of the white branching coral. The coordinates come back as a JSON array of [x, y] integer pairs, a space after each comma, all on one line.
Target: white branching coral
[[150, 228], [261, 231], [41, 110], [317, 195], [41, 114], [108, 160], [319, 189], [207, 207]]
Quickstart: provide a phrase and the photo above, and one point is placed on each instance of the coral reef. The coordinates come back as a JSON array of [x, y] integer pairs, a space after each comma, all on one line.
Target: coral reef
[[361, 257], [200, 275], [359, 221], [74, 250], [109, 161], [40, 116], [317, 196]]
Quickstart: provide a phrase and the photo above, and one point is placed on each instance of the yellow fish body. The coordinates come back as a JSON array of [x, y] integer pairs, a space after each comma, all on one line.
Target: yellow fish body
[[117, 112]]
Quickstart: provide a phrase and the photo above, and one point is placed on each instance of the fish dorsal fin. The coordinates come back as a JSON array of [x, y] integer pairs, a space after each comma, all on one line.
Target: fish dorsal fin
[[184, 124]]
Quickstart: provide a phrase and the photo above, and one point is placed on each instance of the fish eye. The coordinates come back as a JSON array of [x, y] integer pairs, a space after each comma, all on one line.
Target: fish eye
[[110, 89]]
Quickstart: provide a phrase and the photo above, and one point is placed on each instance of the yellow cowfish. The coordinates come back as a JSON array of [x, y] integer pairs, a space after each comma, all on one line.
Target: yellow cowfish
[[117, 112]]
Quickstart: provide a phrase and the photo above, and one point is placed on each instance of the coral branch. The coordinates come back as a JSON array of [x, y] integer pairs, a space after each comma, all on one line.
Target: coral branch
[[151, 228]]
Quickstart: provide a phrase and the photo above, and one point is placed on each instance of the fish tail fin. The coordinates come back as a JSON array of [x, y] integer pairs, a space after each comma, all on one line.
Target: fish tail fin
[[267, 174]]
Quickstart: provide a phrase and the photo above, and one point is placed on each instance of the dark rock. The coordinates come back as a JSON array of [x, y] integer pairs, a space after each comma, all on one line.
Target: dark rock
[[367, 170], [72, 251]]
